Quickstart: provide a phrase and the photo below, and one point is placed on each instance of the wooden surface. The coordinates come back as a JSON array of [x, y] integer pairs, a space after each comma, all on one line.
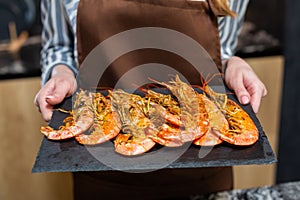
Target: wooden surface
[[20, 139], [19, 144]]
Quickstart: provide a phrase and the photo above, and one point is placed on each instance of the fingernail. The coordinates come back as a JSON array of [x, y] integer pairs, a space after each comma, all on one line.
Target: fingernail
[[245, 100], [49, 97]]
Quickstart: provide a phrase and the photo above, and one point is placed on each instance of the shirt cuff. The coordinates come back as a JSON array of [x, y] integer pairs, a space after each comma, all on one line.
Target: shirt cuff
[[46, 75]]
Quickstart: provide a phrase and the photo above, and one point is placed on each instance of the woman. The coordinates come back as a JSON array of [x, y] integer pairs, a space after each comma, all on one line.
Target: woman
[[60, 67], [59, 58]]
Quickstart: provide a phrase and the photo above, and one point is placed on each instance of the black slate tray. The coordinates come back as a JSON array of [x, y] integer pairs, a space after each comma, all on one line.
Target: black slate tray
[[69, 156]]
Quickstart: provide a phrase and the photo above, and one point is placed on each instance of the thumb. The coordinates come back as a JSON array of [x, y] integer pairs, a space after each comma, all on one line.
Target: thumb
[[242, 95], [54, 99]]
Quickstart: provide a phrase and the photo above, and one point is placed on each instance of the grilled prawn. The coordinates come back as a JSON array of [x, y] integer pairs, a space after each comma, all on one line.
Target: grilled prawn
[[106, 124], [242, 130], [80, 120]]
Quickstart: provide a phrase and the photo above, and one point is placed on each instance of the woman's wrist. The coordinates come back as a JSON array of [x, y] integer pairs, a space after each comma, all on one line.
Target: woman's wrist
[[234, 62], [61, 69]]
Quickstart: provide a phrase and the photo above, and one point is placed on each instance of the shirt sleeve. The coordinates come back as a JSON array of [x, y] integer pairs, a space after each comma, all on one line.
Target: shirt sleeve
[[230, 28], [57, 39]]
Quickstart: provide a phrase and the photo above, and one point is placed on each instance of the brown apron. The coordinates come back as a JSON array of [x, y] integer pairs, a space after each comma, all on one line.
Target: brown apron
[[97, 21]]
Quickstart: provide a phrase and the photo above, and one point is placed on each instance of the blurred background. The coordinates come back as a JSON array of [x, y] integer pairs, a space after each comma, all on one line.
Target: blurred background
[[268, 41]]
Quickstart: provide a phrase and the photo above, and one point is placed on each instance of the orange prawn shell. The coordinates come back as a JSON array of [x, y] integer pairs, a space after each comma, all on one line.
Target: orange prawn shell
[[106, 125], [216, 123], [208, 139], [242, 129], [125, 146], [81, 119]]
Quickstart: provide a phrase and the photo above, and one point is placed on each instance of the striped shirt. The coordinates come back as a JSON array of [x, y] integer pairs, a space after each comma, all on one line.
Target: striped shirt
[[59, 30]]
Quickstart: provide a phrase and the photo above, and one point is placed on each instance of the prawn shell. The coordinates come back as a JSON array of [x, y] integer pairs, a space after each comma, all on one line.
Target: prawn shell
[[83, 123], [217, 123], [166, 135], [242, 130], [208, 139], [100, 134], [127, 145], [105, 127]]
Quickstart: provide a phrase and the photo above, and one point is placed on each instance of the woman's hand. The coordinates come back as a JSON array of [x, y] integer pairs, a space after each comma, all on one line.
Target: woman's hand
[[240, 77], [62, 84]]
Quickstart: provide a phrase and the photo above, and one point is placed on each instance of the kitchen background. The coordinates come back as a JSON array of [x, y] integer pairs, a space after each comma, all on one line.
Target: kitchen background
[[262, 43]]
